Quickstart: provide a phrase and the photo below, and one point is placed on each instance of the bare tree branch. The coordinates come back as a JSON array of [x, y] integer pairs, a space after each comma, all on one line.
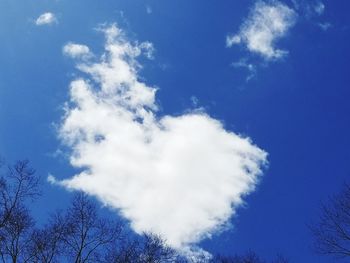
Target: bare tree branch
[[332, 232]]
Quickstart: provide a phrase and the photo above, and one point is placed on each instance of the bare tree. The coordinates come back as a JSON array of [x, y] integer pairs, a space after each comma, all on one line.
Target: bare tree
[[16, 185], [47, 243], [15, 236], [332, 232], [125, 251], [149, 248], [155, 250], [250, 257], [80, 234], [87, 235]]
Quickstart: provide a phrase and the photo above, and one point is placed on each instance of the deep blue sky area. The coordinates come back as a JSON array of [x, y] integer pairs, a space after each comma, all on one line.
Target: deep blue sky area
[[297, 108]]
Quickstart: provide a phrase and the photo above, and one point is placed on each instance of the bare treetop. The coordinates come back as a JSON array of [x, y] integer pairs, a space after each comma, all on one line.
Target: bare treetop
[[332, 233]]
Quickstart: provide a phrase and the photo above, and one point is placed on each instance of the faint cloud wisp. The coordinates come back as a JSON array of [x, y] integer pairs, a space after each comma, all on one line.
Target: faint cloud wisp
[[250, 67], [149, 10]]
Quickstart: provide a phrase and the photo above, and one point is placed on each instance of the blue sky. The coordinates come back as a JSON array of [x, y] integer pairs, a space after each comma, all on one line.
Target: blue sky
[[293, 106]]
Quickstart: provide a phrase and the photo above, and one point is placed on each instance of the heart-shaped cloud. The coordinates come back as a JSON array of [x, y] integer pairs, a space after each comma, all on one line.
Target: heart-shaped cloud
[[180, 177]]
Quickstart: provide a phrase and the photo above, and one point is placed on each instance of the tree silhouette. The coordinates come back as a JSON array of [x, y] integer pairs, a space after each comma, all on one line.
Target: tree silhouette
[[16, 235], [18, 184], [47, 243], [87, 234], [78, 234], [332, 232], [250, 257]]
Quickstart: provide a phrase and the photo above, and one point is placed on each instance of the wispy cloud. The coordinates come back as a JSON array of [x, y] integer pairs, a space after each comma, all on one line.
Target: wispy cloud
[[46, 19], [309, 8], [149, 10], [250, 67], [76, 50], [181, 177], [265, 25], [325, 26], [317, 10], [313, 11]]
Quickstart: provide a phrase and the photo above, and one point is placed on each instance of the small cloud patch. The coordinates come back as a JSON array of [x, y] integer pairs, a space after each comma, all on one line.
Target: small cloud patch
[[76, 50], [46, 19], [266, 24]]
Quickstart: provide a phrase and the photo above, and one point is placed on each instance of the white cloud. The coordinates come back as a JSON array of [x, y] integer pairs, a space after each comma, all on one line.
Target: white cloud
[[181, 177], [319, 8], [46, 19], [76, 50], [51, 179], [266, 23]]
